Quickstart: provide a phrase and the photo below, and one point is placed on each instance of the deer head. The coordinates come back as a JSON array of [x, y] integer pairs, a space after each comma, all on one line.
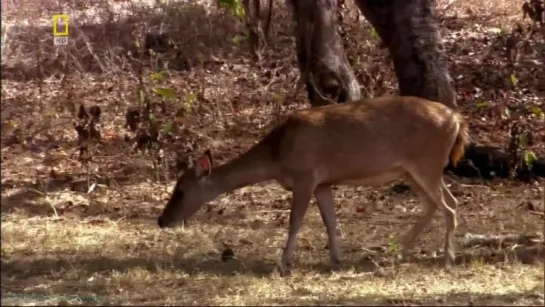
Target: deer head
[[193, 189]]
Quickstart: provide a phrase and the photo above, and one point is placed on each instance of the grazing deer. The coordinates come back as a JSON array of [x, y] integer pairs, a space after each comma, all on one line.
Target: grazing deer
[[367, 142]]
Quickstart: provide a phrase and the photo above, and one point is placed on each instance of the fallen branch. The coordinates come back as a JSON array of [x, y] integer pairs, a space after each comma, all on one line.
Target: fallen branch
[[471, 240], [474, 186], [536, 212]]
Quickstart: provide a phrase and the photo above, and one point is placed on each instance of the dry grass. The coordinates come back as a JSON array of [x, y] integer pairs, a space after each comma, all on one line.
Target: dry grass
[[62, 245], [66, 259], [134, 263], [97, 260]]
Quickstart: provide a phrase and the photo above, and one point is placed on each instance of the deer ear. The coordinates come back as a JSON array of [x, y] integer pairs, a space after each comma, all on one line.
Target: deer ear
[[203, 165]]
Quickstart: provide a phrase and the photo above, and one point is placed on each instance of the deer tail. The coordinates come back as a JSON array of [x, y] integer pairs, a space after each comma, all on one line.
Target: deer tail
[[462, 139]]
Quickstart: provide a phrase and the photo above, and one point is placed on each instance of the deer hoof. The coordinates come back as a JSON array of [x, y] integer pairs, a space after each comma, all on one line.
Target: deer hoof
[[447, 265], [406, 255], [336, 265], [284, 270]]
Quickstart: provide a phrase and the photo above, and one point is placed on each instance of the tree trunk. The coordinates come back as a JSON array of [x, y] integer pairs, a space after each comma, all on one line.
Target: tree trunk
[[322, 60], [409, 29]]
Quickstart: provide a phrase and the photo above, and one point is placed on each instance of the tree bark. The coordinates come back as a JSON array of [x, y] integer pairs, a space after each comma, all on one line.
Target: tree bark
[[410, 31], [322, 60]]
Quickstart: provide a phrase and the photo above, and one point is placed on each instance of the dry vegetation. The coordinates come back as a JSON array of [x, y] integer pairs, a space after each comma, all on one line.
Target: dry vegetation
[[77, 232]]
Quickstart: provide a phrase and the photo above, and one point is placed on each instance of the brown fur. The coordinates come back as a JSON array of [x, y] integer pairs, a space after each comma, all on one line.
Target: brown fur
[[367, 142]]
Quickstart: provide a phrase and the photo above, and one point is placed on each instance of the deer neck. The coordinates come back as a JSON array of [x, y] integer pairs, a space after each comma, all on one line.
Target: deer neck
[[254, 166]]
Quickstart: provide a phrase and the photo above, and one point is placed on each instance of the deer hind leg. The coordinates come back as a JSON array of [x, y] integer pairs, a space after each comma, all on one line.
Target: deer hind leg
[[437, 193], [429, 209], [302, 193], [450, 215], [326, 204]]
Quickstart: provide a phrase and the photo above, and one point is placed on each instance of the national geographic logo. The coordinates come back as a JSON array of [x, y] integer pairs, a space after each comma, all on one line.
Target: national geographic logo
[[60, 29]]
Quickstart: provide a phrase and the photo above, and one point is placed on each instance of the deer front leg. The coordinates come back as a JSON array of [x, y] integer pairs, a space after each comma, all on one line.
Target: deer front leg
[[326, 204], [302, 194]]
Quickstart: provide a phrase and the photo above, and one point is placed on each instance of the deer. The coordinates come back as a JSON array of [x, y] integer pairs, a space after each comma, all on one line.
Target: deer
[[369, 142]]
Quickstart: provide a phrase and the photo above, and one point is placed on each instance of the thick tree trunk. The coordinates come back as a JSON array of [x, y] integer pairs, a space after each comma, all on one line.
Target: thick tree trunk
[[409, 29], [322, 60]]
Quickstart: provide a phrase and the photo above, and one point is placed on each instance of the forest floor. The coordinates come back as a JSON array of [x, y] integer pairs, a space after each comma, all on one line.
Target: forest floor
[[81, 233]]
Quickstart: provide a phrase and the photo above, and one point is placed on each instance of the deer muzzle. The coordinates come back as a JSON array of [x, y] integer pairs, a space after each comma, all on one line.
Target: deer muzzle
[[162, 222]]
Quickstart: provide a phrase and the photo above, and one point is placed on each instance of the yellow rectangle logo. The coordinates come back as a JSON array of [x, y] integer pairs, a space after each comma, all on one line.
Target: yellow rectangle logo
[[60, 25]]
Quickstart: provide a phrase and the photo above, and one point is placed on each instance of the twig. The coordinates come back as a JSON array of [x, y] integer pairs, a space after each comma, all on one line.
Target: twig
[[446, 7], [37, 191], [270, 211], [90, 48], [368, 250], [5, 37], [474, 186], [537, 212], [50, 204], [339, 226]]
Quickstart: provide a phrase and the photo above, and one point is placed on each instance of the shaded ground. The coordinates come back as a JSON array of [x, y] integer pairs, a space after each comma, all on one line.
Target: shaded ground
[[61, 244]]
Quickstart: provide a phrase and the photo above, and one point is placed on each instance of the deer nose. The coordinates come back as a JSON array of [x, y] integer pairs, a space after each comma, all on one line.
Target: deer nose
[[160, 222]]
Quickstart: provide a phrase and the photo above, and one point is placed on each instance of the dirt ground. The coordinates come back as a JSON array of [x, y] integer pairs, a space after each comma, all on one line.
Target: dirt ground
[[86, 234]]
